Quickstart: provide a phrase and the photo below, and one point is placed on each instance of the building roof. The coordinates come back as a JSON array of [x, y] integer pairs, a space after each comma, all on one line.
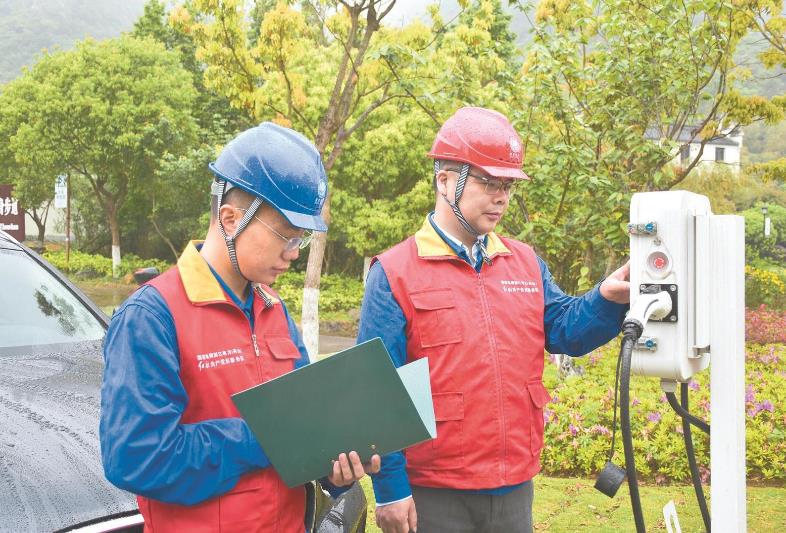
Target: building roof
[[689, 132]]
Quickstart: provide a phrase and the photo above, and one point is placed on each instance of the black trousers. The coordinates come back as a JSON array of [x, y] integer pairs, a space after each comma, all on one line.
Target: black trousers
[[455, 511]]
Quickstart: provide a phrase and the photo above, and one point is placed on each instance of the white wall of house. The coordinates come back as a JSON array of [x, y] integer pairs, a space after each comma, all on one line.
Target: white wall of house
[[727, 151]]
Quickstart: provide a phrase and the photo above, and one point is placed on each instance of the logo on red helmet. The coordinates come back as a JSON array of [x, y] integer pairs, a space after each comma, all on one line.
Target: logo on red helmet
[[514, 147]]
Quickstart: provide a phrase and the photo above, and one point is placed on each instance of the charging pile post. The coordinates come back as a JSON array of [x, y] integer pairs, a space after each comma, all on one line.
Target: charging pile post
[[687, 302], [727, 374]]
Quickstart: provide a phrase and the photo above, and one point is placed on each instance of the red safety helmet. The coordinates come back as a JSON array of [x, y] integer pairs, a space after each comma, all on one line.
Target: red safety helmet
[[482, 138]]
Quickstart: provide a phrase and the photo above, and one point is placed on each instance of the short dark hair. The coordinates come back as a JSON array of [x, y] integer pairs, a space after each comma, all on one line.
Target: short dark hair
[[445, 164], [234, 196]]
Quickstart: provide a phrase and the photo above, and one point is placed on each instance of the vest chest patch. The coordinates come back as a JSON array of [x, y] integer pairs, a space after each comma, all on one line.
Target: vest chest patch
[[525, 286], [210, 360]]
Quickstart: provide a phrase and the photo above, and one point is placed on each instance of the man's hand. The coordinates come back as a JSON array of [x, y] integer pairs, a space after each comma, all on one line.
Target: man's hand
[[348, 469], [616, 287], [399, 517]]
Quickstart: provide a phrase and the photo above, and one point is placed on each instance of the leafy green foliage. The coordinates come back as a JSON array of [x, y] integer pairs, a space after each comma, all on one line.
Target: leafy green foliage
[[758, 247], [337, 293], [98, 266], [609, 88], [579, 418]]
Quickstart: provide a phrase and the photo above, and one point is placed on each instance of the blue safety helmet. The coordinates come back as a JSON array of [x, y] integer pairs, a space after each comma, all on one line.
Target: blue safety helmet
[[281, 167]]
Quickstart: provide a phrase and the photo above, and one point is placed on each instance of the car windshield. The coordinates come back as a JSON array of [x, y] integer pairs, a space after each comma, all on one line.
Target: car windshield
[[36, 308]]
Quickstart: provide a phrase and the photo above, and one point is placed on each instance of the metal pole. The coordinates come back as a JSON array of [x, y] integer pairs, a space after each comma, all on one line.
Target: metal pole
[[727, 374]]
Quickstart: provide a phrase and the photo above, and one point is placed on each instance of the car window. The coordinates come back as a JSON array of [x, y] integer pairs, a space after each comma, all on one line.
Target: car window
[[37, 309]]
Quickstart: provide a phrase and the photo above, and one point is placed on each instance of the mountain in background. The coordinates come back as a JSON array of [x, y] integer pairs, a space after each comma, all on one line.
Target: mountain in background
[[29, 26]]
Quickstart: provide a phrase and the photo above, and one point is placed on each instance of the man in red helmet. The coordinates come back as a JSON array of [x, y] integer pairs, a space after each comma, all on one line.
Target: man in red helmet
[[481, 308]]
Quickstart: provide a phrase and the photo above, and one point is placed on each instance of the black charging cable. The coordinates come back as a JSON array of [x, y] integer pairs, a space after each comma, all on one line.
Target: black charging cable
[[631, 331], [687, 420], [683, 412]]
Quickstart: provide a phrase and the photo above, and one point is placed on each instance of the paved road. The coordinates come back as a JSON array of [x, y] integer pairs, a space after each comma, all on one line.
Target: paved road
[[331, 344]]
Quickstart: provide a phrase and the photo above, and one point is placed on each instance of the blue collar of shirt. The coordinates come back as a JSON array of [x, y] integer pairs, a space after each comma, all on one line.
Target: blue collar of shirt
[[246, 306], [459, 250]]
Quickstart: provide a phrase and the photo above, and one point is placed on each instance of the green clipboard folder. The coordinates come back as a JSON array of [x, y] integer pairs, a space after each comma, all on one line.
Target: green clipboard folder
[[353, 400]]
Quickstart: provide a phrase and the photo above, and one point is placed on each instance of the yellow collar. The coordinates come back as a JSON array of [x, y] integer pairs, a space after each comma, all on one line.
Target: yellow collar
[[430, 244], [199, 282]]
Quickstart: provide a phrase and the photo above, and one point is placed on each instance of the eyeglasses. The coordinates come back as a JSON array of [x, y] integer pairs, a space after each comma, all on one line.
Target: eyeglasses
[[491, 186], [292, 242]]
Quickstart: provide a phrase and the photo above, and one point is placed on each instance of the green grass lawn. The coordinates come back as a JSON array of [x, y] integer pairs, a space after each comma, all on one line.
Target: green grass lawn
[[571, 505]]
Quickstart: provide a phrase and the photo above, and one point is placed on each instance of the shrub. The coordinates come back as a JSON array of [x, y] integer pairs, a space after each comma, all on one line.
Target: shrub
[[765, 326], [771, 248], [579, 419], [765, 287], [337, 293], [97, 266]]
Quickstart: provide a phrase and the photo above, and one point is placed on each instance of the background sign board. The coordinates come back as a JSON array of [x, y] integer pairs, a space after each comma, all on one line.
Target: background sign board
[[61, 192], [12, 218]]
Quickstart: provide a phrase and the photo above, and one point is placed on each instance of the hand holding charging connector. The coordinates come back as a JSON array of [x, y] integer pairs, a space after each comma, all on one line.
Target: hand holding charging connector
[[646, 307]]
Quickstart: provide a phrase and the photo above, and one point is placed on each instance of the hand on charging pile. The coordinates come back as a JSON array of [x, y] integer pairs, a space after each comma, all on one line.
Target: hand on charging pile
[[616, 287]]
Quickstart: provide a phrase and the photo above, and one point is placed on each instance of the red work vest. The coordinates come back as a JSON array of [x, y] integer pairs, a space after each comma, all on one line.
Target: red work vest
[[483, 336], [219, 357]]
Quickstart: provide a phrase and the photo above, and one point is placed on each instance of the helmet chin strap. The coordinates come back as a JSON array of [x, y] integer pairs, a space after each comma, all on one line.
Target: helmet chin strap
[[229, 240], [461, 182]]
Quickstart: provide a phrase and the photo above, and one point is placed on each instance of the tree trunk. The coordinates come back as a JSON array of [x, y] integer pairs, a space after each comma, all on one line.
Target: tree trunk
[[40, 224], [310, 317], [114, 226], [366, 268]]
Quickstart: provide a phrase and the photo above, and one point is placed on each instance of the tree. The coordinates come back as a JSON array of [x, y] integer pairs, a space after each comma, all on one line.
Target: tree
[[769, 19], [613, 91], [172, 212], [106, 112]]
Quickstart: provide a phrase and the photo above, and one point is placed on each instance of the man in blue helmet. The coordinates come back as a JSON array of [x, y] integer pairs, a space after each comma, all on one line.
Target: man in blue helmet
[[181, 345]]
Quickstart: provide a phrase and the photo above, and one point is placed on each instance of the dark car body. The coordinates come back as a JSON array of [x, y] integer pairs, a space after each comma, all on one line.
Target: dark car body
[[51, 477]]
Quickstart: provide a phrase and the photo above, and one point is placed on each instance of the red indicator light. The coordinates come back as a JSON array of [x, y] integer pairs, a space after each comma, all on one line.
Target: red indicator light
[[659, 262]]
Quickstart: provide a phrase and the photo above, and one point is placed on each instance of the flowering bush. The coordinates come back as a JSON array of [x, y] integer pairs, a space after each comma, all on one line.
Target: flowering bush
[[579, 419], [764, 326], [765, 286]]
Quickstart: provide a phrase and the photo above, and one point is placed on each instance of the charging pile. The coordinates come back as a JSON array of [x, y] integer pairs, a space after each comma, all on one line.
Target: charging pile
[[687, 302]]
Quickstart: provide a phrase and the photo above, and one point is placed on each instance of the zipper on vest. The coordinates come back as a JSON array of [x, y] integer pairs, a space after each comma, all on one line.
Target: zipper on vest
[[254, 341], [497, 373]]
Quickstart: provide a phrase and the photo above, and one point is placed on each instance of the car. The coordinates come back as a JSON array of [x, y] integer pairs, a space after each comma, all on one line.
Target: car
[[51, 365], [51, 477]]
